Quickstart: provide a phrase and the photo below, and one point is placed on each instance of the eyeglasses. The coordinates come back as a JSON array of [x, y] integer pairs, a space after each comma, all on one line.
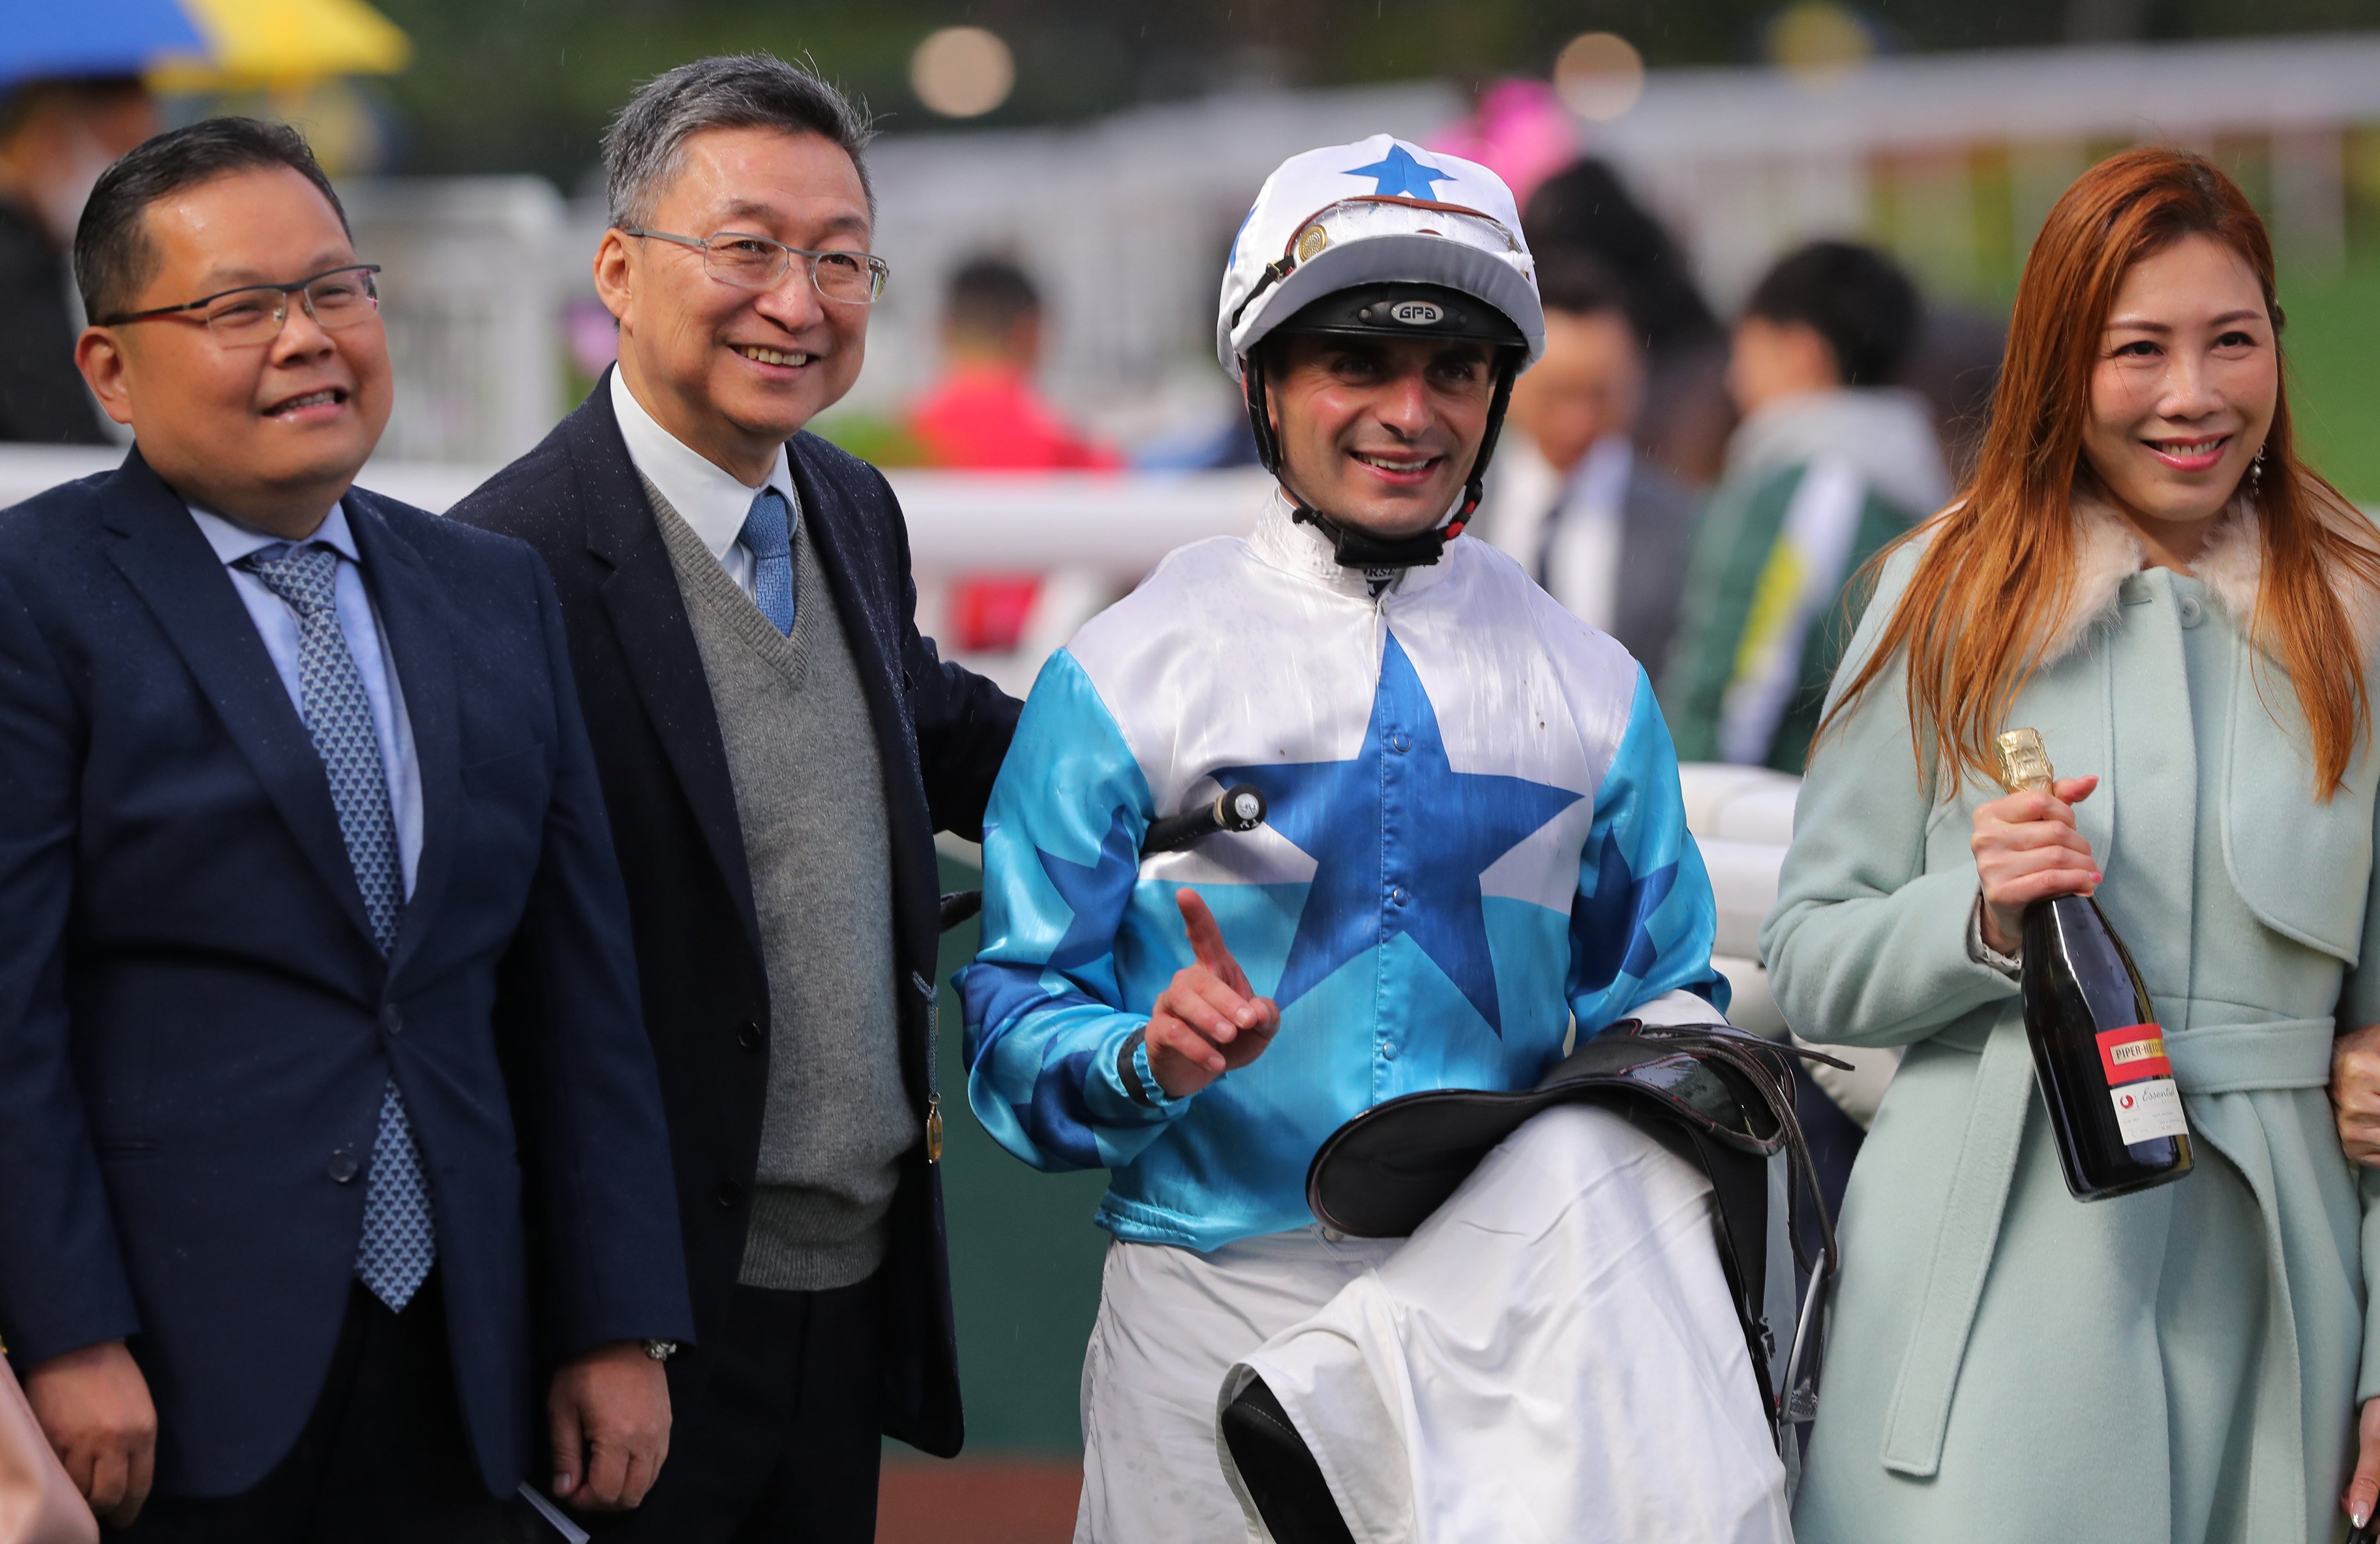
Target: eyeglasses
[[252, 314], [757, 263]]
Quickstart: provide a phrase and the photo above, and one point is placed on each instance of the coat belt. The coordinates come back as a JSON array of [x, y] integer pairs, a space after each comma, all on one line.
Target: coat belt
[[2207, 1059], [2242, 1058]]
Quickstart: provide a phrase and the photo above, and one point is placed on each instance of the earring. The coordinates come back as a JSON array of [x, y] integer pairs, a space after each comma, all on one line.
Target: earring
[[2256, 473]]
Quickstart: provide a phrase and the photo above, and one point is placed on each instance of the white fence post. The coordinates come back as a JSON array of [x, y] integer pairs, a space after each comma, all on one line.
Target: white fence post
[[473, 310]]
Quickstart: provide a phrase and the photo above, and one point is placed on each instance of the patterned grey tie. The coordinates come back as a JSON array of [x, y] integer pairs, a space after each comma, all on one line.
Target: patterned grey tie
[[398, 1246]]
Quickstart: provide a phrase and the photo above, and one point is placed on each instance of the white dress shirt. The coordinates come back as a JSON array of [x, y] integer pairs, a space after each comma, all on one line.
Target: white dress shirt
[[277, 623], [1581, 561], [705, 494], [1565, 529]]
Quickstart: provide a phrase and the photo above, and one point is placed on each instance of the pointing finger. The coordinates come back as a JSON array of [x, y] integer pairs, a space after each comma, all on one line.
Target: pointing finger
[[1206, 938], [1206, 942]]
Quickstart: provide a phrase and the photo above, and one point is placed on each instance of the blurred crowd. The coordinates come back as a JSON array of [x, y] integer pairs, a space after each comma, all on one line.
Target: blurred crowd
[[1703, 491], [56, 138], [1736, 472]]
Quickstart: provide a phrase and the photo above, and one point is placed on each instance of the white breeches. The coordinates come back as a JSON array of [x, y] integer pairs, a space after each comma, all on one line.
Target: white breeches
[[1553, 1356]]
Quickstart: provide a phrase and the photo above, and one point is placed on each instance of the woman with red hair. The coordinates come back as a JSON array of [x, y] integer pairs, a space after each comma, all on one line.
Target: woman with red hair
[[2142, 569]]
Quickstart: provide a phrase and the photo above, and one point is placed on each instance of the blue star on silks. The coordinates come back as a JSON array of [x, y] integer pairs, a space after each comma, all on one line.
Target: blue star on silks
[[1608, 936], [1399, 176], [1095, 892], [1416, 874]]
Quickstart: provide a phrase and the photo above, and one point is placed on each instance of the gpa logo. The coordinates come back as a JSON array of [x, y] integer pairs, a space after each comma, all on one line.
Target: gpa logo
[[1416, 313]]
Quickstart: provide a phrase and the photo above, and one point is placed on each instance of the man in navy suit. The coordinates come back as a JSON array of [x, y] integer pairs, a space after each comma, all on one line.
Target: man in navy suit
[[297, 802]]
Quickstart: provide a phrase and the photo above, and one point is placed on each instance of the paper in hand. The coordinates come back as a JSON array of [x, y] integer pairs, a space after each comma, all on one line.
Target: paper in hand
[[552, 1515]]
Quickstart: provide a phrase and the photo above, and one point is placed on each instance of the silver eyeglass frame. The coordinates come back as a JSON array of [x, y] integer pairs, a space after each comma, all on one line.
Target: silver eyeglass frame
[[880, 272]]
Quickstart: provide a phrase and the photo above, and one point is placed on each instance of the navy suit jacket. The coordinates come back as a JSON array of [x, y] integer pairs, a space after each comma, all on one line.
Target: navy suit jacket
[[941, 733], [196, 1027]]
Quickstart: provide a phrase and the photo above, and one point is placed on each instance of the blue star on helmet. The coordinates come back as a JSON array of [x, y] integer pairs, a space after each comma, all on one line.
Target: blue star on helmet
[[1397, 175], [1422, 878]]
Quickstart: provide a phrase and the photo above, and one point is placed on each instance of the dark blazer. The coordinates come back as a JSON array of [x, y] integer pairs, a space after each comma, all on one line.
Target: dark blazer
[[196, 1027], [43, 397], [1658, 516], [941, 733]]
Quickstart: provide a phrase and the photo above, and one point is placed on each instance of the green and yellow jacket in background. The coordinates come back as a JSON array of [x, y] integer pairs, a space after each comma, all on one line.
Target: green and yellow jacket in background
[[1815, 485]]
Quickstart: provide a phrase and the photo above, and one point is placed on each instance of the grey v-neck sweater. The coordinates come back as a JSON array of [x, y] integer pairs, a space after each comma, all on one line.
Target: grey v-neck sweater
[[810, 797]]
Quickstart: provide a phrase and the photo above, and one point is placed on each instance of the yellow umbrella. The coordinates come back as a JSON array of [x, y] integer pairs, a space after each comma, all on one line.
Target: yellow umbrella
[[255, 44]]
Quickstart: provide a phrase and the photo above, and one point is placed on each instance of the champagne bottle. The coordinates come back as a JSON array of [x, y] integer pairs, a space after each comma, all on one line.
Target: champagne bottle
[[2096, 1047]]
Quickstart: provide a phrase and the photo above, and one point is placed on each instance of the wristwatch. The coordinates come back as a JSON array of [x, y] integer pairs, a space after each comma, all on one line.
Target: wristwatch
[[660, 1351]]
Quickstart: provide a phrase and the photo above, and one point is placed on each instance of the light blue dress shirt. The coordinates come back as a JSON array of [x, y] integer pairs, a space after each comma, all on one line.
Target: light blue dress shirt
[[706, 495], [277, 626]]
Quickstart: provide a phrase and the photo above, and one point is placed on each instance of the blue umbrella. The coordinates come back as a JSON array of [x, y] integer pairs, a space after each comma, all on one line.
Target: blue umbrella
[[48, 38]]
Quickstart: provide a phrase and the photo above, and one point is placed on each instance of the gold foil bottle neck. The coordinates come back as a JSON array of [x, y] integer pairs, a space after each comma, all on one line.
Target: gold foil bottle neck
[[2025, 761]]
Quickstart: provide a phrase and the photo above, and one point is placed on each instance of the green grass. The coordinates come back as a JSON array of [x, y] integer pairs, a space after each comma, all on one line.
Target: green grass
[[2333, 343], [1025, 1260]]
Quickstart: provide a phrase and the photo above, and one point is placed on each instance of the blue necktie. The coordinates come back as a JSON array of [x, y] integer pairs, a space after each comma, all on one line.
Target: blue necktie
[[768, 535], [398, 1246]]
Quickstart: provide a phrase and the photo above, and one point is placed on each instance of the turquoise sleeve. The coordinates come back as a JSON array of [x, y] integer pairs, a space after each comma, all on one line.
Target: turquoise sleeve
[[1046, 1030]]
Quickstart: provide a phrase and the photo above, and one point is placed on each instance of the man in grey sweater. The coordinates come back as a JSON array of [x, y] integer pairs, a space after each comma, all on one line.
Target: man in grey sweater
[[778, 746]]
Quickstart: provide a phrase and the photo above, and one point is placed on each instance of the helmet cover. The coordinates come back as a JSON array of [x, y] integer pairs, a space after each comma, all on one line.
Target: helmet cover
[[1376, 211]]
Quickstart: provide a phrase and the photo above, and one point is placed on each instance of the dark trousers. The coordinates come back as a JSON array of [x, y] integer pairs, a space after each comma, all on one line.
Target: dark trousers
[[382, 1459], [1834, 1139], [781, 1445]]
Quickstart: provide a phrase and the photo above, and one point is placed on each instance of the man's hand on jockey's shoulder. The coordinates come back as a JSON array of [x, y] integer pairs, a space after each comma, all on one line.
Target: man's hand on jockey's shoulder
[[1209, 1020]]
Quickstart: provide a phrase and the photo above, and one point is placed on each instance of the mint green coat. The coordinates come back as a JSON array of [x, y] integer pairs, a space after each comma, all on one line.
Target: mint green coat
[[2007, 1363]]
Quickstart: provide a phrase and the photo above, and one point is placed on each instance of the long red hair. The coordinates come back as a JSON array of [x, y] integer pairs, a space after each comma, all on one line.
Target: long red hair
[[1997, 567]]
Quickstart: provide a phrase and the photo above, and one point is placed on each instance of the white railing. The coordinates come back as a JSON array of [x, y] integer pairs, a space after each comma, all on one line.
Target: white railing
[[473, 277], [1091, 534], [1118, 523]]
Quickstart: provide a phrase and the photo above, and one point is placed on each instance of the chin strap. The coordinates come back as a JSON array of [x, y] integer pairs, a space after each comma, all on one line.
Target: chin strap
[[1357, 548]]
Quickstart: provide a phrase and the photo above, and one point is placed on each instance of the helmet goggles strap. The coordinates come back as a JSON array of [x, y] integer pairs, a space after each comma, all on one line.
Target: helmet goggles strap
[[1286, 264]]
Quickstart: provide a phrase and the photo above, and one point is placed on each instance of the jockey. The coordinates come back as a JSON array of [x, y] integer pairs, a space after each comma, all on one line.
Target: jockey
[[1475, 840]]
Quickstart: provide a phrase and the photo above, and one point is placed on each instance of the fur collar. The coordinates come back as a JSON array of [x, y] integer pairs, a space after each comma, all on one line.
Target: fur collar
[[2107, 552]]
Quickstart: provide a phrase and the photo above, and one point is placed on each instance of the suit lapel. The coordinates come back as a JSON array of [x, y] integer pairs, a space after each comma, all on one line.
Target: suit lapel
[[421, 656], [829, 514], [871, 623], [161, 553], [836, 517], [657, 641]]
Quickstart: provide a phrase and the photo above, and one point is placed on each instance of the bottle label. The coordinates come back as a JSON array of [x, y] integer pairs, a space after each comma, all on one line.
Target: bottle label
[[2147, 1111], [2133, 1053]]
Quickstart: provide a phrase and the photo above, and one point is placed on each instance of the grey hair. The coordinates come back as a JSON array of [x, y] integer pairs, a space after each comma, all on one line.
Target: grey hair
[[727, 91]]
